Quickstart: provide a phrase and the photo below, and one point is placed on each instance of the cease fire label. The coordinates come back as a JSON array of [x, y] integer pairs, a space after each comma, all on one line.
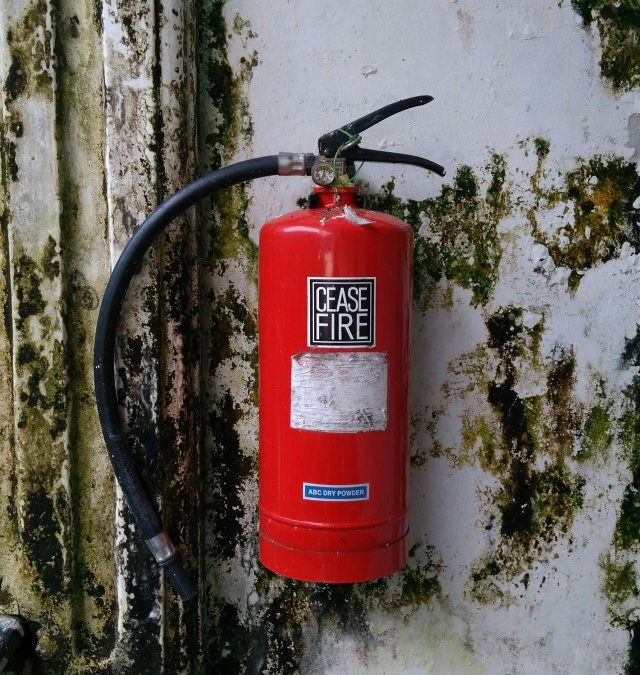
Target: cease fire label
[[341, 311]]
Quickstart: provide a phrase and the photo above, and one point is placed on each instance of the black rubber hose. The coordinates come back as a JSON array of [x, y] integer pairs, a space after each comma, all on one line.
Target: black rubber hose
[[104, 349]]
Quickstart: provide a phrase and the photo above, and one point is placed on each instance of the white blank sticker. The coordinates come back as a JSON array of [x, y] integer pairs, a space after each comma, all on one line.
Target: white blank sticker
[[340, 392]]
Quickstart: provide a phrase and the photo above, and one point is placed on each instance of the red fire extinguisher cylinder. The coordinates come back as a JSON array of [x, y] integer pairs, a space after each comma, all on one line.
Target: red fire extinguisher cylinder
[[334, 322]]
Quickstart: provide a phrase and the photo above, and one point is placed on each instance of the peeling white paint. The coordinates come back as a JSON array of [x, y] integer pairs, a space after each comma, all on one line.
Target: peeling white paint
[[501, 73]]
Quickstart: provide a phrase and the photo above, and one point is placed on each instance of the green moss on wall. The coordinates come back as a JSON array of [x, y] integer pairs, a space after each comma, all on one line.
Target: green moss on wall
[[618, 23], [592, 212], [619, 586], [419, 584], [40, 520], [628, 525], [230, 319], [542, 146], [456, 232], [619, 567], [478, 442], [223, 91], [597, 433]]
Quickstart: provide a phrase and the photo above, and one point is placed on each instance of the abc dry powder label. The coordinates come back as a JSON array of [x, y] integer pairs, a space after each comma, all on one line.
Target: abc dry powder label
[[335, 493]]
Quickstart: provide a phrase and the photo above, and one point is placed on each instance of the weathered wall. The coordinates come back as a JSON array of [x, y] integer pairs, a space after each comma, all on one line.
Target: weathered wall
[[525, 526]]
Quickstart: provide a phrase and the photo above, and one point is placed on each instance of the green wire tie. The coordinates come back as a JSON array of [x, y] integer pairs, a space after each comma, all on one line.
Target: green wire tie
[[350, 138]]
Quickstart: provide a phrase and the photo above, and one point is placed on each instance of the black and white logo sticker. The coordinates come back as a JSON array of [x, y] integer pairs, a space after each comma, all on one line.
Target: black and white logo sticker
[[341, 311]]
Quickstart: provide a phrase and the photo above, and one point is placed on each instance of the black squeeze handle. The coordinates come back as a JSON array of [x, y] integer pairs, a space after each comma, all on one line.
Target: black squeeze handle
[[333, 142]]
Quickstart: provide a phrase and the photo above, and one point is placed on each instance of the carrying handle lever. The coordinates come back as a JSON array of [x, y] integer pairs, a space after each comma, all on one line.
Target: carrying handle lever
[[366, 121], [366, 155], [329, 143]]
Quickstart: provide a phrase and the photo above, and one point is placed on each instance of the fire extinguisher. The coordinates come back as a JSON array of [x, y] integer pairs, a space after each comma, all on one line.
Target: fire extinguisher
[[334, 318]]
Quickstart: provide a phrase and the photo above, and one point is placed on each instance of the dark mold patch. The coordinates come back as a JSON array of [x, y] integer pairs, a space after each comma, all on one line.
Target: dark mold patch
[[281, 629], [31, 51], [564, 420], [49, 262], [16, 81], [270, 639], [27, 279], [627, 532], [43, 392], [40, 536], [485, 581], [74, 23], [628, 526], [230, 469], [530, 452], [344, 605], [42, 395], [17, 128], [456, 233], [5, 284], [631, 353], [542, 146], [12, 162], [232, 316], [282, 623], [633, 664], [299, 612], [230, 644], [618, 22], [33, 395], [84, 295]]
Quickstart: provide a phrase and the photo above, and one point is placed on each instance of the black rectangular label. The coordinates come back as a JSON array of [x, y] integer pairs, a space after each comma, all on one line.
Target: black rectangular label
[[341, 311]]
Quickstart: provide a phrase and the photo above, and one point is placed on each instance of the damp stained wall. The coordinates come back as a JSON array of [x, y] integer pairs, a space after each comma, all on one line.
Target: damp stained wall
[[525, 459]]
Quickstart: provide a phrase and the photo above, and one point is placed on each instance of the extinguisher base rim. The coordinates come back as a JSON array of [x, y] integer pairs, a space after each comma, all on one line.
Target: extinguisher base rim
[[333, 567]]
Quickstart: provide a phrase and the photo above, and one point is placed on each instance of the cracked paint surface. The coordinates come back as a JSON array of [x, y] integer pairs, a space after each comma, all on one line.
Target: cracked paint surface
[[525, 423]]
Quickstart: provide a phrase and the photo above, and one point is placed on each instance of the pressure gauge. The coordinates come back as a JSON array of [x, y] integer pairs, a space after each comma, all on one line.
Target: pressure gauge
[[322, 172]]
